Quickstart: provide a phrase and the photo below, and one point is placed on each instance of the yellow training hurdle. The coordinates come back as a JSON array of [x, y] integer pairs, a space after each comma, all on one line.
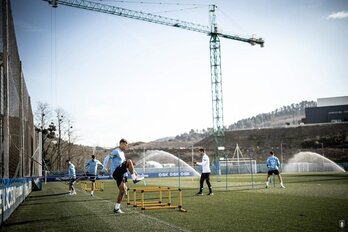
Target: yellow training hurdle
[[87, 186], [147, 205]]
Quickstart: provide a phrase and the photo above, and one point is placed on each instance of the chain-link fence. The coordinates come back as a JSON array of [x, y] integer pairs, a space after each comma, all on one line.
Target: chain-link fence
[[19, 157]]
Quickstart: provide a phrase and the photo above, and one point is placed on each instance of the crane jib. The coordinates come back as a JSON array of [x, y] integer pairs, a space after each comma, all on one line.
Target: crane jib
[[118, 11], [148, 17]]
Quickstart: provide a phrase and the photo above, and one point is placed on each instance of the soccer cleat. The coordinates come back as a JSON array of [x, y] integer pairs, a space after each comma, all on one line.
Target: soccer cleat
[[137, 179], [118, 211], [199, 194], [282, 186], [210, 194], [72, 193]]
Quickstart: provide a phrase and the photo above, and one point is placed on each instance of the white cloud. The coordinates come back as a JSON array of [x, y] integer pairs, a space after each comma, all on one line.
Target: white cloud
[[338, 15]]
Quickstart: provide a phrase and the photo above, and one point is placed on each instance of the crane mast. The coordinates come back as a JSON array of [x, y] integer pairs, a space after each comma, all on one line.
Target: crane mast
[[214, 44], [216, 85]]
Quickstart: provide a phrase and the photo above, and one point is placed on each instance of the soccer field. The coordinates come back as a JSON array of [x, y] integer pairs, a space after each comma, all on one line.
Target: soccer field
[[310, 202]]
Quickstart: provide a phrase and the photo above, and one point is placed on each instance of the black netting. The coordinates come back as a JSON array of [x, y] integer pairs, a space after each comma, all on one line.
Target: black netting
[[17, 132]]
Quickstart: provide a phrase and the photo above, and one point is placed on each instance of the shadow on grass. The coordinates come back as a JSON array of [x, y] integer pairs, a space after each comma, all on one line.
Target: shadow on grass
[[59, 202], [44, 220], [316, 180], [49, 195]]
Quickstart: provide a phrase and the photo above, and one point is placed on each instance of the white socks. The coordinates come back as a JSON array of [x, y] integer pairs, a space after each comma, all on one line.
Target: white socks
[[117, 206], [134, 176]]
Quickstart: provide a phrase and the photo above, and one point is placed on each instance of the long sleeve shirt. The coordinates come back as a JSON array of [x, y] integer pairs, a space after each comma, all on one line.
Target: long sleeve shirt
[[205, 164], [72, 172]]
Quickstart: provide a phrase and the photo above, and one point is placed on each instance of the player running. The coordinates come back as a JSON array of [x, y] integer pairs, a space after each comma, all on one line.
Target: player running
[[118, 169], [91, 168]]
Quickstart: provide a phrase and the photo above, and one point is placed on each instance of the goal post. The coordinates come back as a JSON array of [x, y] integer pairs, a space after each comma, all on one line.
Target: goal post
[[238, 166]]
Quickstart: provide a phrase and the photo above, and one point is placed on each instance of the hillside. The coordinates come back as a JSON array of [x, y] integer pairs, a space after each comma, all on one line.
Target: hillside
[[329, 139], [258, 134], [285, 115]]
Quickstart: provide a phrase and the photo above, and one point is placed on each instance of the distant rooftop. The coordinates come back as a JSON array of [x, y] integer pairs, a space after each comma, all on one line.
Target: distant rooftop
[[332, 101]]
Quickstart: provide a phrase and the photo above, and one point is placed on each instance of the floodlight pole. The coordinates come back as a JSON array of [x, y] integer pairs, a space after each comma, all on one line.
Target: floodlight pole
[[192, 155], [322, 149], [226, 166], [281, 154], [144, 162], [179, 171], [251, 168]]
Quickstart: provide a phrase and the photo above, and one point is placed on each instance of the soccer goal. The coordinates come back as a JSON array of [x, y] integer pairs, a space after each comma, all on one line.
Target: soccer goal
[[238, 164]]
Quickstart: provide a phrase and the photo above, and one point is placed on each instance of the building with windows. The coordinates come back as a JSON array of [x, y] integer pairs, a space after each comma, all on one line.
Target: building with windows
[[333, 109]]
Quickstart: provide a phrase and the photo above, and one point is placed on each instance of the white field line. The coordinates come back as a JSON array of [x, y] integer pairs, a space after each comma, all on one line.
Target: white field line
[[129, 219]]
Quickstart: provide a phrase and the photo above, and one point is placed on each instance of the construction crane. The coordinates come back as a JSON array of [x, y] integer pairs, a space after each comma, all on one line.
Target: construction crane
[[215, 51]]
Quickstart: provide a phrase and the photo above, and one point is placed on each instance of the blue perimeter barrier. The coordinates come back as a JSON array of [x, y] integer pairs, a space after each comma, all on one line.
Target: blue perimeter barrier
[[109, 177], [13, 192]]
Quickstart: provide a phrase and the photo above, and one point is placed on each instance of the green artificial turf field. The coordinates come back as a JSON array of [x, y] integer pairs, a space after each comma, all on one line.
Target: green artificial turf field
[[310, 202]]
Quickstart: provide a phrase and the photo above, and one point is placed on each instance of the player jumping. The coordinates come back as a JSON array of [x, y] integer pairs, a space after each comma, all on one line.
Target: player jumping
[[118, 168]]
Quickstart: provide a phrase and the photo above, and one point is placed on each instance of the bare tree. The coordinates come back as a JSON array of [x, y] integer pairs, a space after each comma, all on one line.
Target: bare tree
[[64, 138], [44, 124], [42, 115], [57, 135]]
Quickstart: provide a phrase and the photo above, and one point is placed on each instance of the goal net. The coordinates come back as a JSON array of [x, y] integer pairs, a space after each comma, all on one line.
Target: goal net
[[238, 166]]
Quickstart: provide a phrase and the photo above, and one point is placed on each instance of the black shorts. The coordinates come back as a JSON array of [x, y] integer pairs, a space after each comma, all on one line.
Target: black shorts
[[72, 181], [119, 172], [91, 177], [276, 172]]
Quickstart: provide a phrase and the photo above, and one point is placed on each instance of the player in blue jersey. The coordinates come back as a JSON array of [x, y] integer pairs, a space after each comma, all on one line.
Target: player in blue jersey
[[72, 178], [118, 169], [273, 166], [91, 168]]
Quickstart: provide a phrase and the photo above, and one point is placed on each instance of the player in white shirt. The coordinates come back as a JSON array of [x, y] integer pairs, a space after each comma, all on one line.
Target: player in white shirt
[[118, 169], [205, 176], [91, 168]]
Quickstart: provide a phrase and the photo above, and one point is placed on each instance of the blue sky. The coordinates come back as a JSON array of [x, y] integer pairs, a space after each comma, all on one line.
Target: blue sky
[[118, 77]]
